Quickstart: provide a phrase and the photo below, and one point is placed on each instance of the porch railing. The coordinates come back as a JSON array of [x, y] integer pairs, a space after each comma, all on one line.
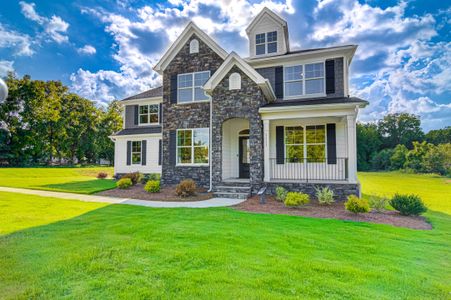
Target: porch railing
[[309, 169]]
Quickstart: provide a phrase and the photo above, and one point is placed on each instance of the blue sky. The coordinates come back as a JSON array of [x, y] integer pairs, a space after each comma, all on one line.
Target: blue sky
[[105, 49]]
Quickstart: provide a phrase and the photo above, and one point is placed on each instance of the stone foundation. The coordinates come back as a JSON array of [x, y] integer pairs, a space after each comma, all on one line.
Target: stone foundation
[[341, 190]]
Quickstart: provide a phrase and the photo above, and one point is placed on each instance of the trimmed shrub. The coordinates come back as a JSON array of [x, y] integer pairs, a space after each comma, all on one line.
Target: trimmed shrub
[[186, 188], [356, 205], [378, 203], [325, 195], [294, 199], [135, 177], [281, 193], [102, 175], [408, 204], [152, 186], [124, 183], [152, 176]]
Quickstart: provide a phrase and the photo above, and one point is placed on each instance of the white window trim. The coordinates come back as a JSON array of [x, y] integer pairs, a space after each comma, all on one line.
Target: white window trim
[[192, 164], [193, 87], [266, 43], [140, 153], [304, 95], [305, 144], [148, 115]]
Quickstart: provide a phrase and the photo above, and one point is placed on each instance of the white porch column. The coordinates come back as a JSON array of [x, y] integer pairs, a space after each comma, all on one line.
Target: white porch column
[[267, 164], [352, 148]]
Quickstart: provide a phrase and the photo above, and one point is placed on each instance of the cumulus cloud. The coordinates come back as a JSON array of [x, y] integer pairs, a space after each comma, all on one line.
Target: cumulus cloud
[[5, 67], [87, 49], [21, 43], [55, 28]]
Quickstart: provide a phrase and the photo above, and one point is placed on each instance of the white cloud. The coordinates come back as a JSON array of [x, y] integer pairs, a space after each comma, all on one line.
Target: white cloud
[[5, 67], [21, 43], [87, 49], [54, 27]]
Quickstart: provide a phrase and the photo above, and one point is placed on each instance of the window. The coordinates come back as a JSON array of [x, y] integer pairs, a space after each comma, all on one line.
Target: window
[[234, 81], [194, 46], [266, 43], [189, 87], [136, 153], [303, 80], [192, 146], [148, 114], [309, 143]]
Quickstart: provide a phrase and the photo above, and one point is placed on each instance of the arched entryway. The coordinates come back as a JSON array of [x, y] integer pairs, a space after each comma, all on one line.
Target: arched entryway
[[235, 149]]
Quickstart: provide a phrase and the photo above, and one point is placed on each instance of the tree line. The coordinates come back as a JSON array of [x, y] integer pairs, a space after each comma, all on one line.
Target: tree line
[[42, 123], [397, 142]]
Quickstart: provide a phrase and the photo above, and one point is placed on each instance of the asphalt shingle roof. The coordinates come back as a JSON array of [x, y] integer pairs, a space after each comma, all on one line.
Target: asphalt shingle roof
[[155, 92], [140, 130], [316, 101]]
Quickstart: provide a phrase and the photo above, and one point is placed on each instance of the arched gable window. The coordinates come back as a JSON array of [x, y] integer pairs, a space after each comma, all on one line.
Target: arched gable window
[[194, 46], [234, 81]]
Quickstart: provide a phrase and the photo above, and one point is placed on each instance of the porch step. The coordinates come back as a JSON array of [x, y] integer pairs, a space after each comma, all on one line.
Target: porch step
[[232, 191], [231, 195]]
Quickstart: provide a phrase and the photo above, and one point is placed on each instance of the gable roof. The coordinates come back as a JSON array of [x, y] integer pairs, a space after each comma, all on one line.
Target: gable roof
[[268, 12], [152, 93], [181, 41], [234, 59]]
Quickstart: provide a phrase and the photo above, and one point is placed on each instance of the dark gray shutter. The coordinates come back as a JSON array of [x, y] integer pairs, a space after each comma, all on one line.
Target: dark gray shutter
[[172, 147], [143, 152], [330, 76], [331, 144], [279, 82], [173, 96], [280, 145], [136, 109], [129, 153], [160, 113], [160, 152]]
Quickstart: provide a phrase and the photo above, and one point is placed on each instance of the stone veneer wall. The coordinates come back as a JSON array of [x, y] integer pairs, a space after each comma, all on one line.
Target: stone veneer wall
[[193, 115], [243, 103], [341, 190]]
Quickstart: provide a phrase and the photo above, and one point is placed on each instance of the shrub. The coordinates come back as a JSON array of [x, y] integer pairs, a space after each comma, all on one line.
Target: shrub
[[135, 177], [152, 186], [357, 205], [378, 203], [381, 159], [398, 158], [438, 159], [294, 199], [102, 175], [186, 188], [281, 193], [325, 195], [408, 204], [124, 183], [152, 176]]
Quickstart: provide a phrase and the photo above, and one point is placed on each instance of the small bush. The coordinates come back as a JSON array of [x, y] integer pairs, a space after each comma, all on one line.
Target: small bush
[[152, 176], [281, 193], [408, 204], [357, 205], [294, 199], [102, 175], [152, 186], [325, 195], [186, 188], [135, 177], [378, 203], [124, 183]]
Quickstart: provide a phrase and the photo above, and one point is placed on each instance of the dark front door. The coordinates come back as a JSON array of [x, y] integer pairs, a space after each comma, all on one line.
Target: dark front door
[[244, 156]]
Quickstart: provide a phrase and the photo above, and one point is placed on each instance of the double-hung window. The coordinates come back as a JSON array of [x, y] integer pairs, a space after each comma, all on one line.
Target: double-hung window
[[315, 139], [302, 80], [309, 144], [136, 153], [266, 43], [294, 143], [189, 86], [148, 114], [192, 146]]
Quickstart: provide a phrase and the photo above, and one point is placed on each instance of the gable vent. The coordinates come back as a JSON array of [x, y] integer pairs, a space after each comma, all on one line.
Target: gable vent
[[235, 81], [194, 46]]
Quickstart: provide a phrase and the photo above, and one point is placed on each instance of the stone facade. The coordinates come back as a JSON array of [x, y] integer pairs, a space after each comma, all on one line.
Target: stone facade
[[192, 115], [341, 190], [243, 103]]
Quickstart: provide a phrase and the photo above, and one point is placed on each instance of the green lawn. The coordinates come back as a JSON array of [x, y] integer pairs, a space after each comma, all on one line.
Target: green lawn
[[53, 248], [74, 180]]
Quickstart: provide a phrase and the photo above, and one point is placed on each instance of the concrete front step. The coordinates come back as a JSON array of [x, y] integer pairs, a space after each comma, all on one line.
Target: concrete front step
[[233, 189], [231, 195]]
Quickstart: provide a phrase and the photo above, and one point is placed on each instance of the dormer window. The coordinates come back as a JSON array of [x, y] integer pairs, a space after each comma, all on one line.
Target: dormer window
[[266, 43]]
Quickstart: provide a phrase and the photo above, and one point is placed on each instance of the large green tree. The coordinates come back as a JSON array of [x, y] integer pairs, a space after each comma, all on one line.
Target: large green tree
[[400, 128], [439, 136], [368, 144]]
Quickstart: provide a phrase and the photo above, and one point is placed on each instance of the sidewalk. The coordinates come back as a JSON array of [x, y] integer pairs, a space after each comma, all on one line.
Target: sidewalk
[[214, 202]]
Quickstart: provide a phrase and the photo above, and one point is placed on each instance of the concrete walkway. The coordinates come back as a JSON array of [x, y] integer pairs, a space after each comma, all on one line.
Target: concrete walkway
[[214, 202]]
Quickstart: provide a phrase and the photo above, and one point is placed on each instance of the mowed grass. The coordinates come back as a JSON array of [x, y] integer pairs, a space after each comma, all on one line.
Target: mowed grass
[[73, 180]]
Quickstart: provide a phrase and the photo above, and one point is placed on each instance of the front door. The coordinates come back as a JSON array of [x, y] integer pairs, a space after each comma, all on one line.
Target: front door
[[244, 157]]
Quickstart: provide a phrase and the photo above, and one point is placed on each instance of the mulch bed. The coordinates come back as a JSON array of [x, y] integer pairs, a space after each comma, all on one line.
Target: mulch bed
[[165, 194], [334, 211]]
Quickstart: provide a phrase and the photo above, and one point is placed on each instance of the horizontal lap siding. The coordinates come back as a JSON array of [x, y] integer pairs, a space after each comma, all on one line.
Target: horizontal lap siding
[[152, 152]]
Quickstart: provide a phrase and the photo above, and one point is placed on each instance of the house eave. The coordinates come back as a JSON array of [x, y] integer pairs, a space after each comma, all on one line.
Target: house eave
[[141, 100], [293, 108]]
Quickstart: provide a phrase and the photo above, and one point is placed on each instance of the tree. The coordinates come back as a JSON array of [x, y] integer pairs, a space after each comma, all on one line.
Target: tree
[[439, 136], [368, 144], [110, 122], [400, 128], [415, 157], [438, 159], [381, 160], [398, 158]]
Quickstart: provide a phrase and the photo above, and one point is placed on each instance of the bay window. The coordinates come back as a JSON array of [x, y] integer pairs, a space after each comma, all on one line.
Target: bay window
[[148, 114], [302, 80], [308, 143], [192, 146], [189, 86]]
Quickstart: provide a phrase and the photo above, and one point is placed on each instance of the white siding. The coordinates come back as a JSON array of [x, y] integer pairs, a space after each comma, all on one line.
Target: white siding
[[120, 155], [230, 147]]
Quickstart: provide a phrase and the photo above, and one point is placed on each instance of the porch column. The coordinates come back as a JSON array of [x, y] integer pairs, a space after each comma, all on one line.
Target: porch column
[[352, 148], [266, 150]]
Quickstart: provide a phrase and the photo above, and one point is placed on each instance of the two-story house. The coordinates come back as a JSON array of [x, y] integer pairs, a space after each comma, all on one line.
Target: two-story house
[[278, 117]]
